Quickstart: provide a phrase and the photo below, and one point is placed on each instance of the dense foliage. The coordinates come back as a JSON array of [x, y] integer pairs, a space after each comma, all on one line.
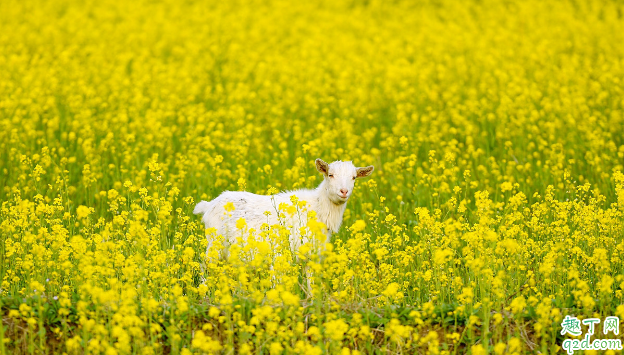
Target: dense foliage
[[496, 206]]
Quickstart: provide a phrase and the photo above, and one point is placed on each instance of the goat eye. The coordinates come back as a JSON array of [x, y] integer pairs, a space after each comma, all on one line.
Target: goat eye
[[354, 178], [331, 175]]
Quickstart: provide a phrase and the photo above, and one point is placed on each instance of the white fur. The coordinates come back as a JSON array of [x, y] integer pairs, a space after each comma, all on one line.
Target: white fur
[[328, 200]]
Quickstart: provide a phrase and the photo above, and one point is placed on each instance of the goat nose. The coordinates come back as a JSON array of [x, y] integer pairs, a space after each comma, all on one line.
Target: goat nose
[[344, 192]]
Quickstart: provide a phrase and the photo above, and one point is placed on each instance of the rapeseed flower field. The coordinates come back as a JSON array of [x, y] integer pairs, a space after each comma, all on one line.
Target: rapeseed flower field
[[496, 129]]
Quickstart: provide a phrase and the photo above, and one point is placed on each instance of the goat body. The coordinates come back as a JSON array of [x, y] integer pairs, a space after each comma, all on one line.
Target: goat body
[[252, 208], [328, 200]]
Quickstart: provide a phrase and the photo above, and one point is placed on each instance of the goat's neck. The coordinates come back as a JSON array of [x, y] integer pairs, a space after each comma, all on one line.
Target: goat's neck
[[327, 211]]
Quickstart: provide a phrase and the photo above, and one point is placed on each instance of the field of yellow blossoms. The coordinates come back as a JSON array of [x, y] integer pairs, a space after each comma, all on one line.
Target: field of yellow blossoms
[[496, 208]]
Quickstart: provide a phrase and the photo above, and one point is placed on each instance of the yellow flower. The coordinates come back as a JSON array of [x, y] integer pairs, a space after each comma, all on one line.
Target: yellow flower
[[515, 345], [500, 168], [478, 350], [37, 287], [517, 305], [506, 186], [358, 226], [83, 212], [229, 207], [275, 348], [336, 329], [241, 223], [499, 348], [441, 256], [213, 312], [391, 290], [204, 343]]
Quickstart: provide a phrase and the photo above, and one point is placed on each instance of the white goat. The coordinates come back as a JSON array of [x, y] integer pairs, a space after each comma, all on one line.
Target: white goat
[[328, 200]]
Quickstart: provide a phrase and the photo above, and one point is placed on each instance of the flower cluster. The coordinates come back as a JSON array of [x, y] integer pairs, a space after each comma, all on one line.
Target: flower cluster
[[496, 206]]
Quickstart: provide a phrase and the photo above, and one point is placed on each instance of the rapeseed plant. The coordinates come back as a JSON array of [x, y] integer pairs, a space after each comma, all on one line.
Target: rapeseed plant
[[496, 208]]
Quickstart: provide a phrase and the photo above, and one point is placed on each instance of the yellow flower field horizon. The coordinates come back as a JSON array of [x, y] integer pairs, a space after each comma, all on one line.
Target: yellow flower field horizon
[[495, 210]]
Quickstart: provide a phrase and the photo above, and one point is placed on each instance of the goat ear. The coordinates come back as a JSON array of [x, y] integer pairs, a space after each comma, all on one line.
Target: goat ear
[[322, 166], [362, 172]]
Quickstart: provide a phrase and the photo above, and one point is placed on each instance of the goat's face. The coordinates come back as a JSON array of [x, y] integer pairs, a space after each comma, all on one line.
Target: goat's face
[[340, 177]]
